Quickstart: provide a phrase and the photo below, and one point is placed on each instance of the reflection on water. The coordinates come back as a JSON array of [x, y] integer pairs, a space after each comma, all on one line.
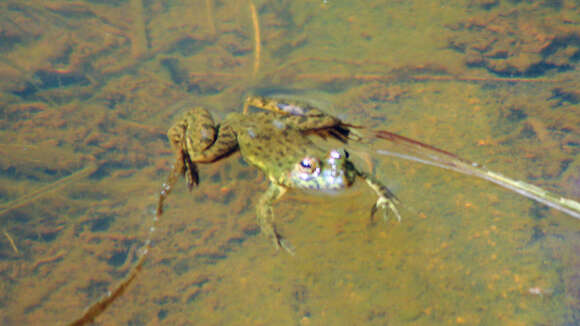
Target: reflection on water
[[88, 90]]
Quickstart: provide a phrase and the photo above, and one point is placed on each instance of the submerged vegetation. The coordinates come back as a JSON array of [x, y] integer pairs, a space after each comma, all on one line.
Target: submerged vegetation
[[89, 89]]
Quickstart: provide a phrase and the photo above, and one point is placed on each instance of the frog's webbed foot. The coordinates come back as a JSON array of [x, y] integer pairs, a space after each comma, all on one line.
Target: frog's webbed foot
[[284, 243], [266, 217], [387, 201], [186, 167], [190, 171]]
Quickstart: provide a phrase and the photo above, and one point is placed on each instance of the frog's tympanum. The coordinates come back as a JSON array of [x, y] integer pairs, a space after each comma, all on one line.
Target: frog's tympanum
[[277, 142]]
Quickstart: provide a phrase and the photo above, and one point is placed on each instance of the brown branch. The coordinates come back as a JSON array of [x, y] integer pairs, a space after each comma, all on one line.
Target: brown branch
[[97, 308]]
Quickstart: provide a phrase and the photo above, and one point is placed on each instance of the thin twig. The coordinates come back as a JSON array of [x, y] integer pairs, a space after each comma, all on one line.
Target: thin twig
[[43, 191], [209, 9], [257, 45], [97, 308], [12, 243]]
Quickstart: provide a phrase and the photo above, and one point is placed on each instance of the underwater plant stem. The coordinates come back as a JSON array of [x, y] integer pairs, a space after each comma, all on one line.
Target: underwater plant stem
[[43, 191], [97, 308], [427, 154], [12, 243], [257, 42]]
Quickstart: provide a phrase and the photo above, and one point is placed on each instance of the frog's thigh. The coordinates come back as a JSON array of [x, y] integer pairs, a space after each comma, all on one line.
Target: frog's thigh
[[225, 143], [301, 116], [201, 129], [307, 123], [265, 212]]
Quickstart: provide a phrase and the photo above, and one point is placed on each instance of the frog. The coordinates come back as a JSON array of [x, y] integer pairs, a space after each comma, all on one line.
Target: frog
[[277, 140]]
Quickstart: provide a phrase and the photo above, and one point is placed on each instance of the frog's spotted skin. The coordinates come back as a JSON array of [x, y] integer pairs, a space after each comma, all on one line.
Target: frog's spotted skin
[[276, 142]]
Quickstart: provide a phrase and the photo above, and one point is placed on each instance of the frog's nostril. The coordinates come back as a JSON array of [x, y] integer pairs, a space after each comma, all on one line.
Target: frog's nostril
[[334, 154]]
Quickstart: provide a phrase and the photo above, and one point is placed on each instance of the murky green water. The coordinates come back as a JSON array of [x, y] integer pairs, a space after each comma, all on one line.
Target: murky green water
[[88, 90]]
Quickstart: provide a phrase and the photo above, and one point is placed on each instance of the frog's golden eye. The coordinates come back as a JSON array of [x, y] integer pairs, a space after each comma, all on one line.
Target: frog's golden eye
[[308, 165]]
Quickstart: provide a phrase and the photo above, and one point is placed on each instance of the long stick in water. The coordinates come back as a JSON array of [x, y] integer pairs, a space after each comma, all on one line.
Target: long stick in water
[[419, 152], [410, 149], [100, 306]]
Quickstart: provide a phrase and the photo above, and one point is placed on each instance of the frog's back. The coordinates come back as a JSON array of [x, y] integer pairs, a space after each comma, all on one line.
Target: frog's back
[[266, 142]]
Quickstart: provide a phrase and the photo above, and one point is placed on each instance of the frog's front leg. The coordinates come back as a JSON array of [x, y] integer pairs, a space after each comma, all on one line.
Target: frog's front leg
[[266, 217], [386, 197]]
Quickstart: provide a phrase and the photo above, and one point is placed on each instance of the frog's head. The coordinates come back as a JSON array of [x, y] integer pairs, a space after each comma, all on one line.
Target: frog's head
[[331, 173]]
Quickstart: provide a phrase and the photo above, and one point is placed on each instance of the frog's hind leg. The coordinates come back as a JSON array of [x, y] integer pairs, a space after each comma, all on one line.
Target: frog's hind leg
[[386, 198], [263, 103], [265, 214], [289, 107], [183, 165], [190, 171], [305, 117], [195, 132], [197, 139]]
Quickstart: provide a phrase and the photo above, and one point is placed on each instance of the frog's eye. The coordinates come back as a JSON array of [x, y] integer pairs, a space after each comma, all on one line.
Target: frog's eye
[[308, 165]]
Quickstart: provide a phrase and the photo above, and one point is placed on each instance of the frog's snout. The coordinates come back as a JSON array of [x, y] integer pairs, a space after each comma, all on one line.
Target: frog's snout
[[336, 160]]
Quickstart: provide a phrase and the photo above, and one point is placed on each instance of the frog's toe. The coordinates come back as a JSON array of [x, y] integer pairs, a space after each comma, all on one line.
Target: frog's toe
[[280, 241], [386, 204], [394, 209], [287, 246]]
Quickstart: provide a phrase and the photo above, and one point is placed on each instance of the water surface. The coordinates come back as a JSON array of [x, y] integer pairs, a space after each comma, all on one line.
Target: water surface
[[88, 90]]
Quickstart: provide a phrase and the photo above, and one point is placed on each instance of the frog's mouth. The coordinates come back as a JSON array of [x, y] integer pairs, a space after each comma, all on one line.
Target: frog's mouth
[[332, 174]]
